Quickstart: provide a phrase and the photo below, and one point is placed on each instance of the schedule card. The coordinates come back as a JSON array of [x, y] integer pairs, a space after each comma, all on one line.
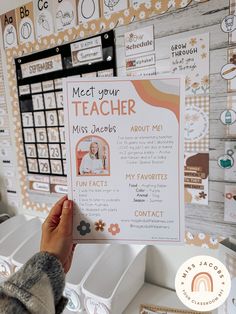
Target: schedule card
[[125, 157]]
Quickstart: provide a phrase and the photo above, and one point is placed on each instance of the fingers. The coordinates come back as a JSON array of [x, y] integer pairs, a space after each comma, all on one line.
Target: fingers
[[57, 208], [65, 224]]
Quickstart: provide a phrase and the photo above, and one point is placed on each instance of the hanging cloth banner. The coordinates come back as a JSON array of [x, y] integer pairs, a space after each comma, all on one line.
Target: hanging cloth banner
[[9, 33], [43, 10], [25, 23]]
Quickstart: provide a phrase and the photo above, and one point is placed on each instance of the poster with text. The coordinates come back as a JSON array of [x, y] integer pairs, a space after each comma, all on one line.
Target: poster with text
[[112, 6], [190, 57], [65, 15], [125, 167], [9, 33], [196, 176], [88, 10], [139, 41], [25, 23], [44, 18]]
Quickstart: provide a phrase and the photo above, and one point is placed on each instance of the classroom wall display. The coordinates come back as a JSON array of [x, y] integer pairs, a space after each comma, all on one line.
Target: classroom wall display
[[230, 203], [122, 154], [230, 22], [228, 162], [139, 49], [196, 133], [111, 6], [196, 174], [88, 10], [43, 11], [9, 184], [190, 56], [202, 230], [229, 116], [25, 23], [39, 81], [9, 29], [65, 14], [231, 69], [139, 41]]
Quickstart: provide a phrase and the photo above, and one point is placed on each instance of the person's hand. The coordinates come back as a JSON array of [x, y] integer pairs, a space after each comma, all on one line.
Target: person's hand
[[57, 233]]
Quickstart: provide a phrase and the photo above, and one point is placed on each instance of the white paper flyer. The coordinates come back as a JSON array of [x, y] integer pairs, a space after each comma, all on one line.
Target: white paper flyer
[[125, 158]]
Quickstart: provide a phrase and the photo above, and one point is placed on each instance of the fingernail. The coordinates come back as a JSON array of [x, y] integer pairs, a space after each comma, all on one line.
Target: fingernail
[[71, 204], [66, 204]]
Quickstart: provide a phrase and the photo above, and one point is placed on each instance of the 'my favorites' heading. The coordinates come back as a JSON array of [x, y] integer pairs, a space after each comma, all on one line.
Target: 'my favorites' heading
[[102, 104]]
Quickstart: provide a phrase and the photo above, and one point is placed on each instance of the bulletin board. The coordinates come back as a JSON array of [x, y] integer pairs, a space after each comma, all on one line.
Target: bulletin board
[[207, 96]]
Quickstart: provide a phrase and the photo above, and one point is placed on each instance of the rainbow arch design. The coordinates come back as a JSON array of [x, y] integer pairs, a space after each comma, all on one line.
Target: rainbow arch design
[[204, 279]]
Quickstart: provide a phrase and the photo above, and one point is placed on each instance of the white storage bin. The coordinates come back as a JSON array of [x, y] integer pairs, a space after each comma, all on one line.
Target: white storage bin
[[10, 225], [85, 257], [12, 242], [27, 250], [115, 279]]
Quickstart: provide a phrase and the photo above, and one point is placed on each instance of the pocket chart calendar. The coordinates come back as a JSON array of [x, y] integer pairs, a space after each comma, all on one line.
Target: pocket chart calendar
[[39, 78], [124, 142]]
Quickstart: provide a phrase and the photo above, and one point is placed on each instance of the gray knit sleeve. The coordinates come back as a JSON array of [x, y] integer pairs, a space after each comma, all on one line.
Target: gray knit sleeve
[[36, 288]]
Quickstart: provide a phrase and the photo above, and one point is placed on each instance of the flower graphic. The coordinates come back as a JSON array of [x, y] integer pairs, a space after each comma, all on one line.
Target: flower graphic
[[158, 5], [229, 196], [187, 82], [204, 55], [193, 41], [195, 87], [233, 59], [205, 80], [203, 46], [213, 241], [142, 15], [83, 228], [201, 236], [189, 235], [99, 225], [171, 3], [114, 229], [202, 195]]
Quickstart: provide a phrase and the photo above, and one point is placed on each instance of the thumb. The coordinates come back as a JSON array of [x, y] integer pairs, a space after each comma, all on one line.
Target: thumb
[[66, 219]]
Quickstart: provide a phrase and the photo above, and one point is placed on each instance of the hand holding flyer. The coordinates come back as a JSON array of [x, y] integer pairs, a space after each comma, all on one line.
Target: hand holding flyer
[[125, 159]]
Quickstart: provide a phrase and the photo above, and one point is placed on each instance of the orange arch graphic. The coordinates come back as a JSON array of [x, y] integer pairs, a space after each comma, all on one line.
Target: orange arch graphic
[[204, 279], [155, 97]]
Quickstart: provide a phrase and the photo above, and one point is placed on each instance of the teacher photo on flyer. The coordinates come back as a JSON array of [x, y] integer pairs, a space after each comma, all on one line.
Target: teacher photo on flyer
[[91, 163]]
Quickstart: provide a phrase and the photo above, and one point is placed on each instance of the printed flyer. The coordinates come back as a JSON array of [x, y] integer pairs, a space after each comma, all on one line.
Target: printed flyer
[[125, 158]]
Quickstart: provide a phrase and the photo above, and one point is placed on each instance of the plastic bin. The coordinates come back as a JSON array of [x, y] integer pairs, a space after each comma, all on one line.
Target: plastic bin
[[27, 250], [85, 258], [12, 242], [116, 278], [10, 225]]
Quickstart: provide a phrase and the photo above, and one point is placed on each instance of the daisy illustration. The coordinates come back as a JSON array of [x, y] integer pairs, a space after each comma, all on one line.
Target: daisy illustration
[[114, 229], [99, 225], [84, 228]]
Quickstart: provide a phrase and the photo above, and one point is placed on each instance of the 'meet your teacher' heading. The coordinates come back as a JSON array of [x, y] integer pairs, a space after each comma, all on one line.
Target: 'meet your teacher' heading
[[101, 105]]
